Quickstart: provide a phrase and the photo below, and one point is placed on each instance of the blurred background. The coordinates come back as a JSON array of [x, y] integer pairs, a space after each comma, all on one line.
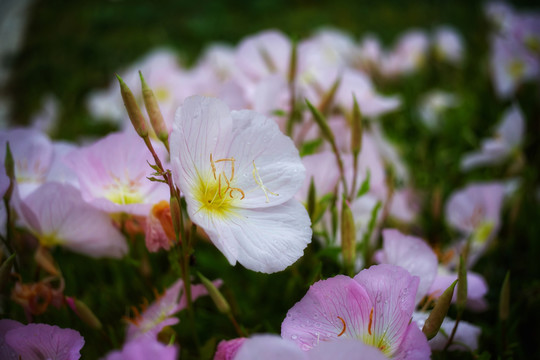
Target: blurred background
[[67, 49]]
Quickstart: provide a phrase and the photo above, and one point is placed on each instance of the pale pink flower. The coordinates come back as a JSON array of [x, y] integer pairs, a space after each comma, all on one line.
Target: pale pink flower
[[511, 66], [227, 349], [375, 308], [405, 205], [326, 48], [412, 254], [144, 349], [57, 215], [37, 159], [368, 54], [507, 139], [475, 211], [407, 56], [263, 54], [271, 347], [465, 338], [163, 74], [448, 44], [433, 105], [161, 312], [38, 341], [476, 288], [113, 173], [238, 174]]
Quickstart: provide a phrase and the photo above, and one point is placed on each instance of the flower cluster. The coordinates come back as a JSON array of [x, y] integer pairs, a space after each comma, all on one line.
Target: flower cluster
[[275, 155]]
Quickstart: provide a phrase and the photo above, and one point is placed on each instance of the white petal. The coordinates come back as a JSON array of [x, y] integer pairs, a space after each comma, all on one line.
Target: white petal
[[266, 239]]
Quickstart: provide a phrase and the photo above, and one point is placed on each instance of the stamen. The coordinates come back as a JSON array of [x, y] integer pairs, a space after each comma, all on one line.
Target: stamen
[[239, 190], [370, 321], [213, 165], [344, 326], [259, 182]]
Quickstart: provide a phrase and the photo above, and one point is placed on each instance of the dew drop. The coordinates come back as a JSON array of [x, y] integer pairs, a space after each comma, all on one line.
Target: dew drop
[[294, 337]]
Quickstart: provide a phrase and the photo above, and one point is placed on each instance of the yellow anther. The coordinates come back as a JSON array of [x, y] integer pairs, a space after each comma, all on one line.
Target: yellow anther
[[370, 321]]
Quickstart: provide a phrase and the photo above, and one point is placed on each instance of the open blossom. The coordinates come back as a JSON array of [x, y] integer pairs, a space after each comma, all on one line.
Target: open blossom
[[37, 159], [375, 308], [507, 139], [476, 211], [38, 341], [161, 312], [143, 349], [238, 174], [271, 347], [57, 215], [448, 44], [113, 173]]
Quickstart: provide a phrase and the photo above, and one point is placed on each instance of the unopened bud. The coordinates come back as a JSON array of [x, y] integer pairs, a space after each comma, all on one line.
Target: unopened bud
[[435, 319], [9, 164], [293, 62], [84, 313], [319, 118], [348, 238], [311, 199], [134, 112], [356, 129], [504, 300], [176, 214], [154, 113], [220, 301], [461, 300], [328, 97]]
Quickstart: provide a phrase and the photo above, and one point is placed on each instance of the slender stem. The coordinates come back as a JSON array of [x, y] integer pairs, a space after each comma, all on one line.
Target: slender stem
[[237, 327], [451, 338]]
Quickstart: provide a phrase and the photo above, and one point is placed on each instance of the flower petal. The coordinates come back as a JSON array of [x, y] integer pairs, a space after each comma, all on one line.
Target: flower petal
[[266, 239], [332, 308], [392, 290]]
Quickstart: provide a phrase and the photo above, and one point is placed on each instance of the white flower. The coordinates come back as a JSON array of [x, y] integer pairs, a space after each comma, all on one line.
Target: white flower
[[239, 174]]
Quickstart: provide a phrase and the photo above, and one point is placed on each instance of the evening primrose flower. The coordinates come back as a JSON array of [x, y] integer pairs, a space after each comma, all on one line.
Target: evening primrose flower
[[375, 307], [113, 173], [38, 341], [238, 174]]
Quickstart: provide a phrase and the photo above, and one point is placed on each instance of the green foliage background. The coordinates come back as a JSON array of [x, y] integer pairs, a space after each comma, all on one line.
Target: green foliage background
[[73, 47]]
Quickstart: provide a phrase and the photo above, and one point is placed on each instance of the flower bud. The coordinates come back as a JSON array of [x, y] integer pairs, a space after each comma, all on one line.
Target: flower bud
[[176, 214], [154, 113], [348, 238], [84, 313], [504, 299], [134, 112], [312, 199], [328, 97], [319, 118], [435, 319], [220, 301]]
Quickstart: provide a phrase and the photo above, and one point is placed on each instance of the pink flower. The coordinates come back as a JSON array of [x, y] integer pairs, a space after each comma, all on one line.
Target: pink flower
[[143, 349], [412, 254], [271, 347], [375, 308], [38, 341], [57, 215], [506, 140], [161, 313], [448, 44], [113, 174], [227, 350], [475, 211]]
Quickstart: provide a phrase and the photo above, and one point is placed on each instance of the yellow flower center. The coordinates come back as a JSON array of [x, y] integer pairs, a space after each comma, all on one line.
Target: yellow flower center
[[215, 192], [124, 192]]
